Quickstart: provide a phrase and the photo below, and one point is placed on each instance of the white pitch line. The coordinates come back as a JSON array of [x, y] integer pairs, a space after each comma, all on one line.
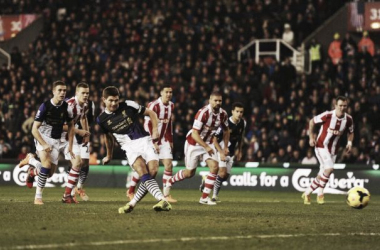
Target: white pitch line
[[183, 239]]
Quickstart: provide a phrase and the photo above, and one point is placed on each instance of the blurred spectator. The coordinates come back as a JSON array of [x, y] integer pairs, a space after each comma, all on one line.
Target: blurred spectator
[[288, 73], [348, 47], [363, 159], [375, 154], [335, 51], [16, 57], [295, 158], [282, 156], [309, 158], [366, 44], [6, 152], [349, 158], [288, 35], [23, 153], [315, 51]]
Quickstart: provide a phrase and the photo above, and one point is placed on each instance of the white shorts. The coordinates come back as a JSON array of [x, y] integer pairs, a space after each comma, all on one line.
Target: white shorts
[[76, 149], [81, 150], [141, 147], [326, 160], [226, 164], [197, 153], [165, 151], [55, 147], [85, 151], [63, 147]]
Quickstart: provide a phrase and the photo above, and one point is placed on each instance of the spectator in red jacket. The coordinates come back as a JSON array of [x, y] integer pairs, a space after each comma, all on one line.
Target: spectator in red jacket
[[366, 44], [335, 52]]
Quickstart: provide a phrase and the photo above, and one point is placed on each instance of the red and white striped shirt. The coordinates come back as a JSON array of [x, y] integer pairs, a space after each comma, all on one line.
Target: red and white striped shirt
[[76, 109], [164, 114], [332, 129], [207, 122]]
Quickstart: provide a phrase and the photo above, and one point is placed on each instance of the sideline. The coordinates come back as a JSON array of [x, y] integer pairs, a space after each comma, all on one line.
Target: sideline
[[183, 239]]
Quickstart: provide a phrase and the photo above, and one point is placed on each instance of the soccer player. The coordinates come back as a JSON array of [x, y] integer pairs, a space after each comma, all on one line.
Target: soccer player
[[47, 129], [199, 145], [163, 107], [334, 124], [82, 136], [236, 127], [78, 105], [121, 120]]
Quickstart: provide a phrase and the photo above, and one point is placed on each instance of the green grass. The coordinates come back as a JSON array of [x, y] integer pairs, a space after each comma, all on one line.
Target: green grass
[[243, 220]]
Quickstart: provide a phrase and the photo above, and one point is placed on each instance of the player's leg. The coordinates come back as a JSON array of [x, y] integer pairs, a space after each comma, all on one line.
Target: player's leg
[[209, 182], [166, 158], [72, 180], [148, 184], [168, 173], [319, 152], [193, 155], [141, 169], [132, 184], [42, 176], [320, 195], [324, 176], [34, 167], [83, 173], [151, 184], [73, 175], [25, 161], [326, 169], [48, 160], [223, 174], [140, 153]]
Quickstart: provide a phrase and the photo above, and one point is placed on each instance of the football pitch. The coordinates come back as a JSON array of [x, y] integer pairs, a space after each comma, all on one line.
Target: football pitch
[[243, 220]]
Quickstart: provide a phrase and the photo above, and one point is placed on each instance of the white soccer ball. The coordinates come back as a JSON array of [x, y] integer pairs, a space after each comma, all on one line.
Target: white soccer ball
[[358, 197]]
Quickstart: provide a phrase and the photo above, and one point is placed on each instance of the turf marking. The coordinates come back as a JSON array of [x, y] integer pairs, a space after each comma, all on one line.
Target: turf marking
[[183, 239]]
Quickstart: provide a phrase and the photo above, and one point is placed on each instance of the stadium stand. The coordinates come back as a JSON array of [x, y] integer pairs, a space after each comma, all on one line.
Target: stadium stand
[[140, 45]]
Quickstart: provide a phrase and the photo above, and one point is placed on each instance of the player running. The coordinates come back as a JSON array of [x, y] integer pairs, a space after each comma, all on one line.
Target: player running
[[121, 120], [334, 124], [164, 109], [236, 125], [199, 146]]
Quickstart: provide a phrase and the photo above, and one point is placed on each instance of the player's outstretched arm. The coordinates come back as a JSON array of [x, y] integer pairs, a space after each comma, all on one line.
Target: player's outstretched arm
[[71, 133], [226, 139], [350, 138], [239, 153], [108, 138], [154, 119], [85, 131], [199, 140], [311, 133]]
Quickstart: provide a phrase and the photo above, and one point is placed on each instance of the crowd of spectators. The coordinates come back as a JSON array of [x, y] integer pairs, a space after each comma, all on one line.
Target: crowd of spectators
[[192, 45]]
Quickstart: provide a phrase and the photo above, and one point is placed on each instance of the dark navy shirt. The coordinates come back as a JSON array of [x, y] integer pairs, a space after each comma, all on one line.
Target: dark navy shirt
[[90, 113], [236, 133], [53, 118], [124, 122]]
